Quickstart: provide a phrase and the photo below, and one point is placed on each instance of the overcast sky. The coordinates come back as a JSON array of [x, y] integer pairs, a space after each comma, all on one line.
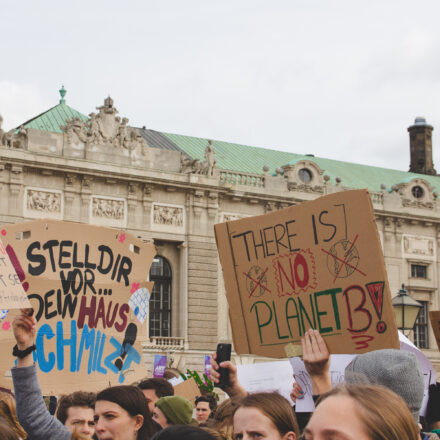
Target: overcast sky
[[341, 79]]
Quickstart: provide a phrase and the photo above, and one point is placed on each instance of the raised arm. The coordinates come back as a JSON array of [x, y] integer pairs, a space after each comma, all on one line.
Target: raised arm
[[31, 409]]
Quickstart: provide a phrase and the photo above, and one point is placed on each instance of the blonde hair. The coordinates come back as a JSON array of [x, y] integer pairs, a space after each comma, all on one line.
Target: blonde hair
[[384, 415], [9, 413]]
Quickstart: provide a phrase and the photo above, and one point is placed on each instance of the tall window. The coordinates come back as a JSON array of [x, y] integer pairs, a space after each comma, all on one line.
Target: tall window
[[421, 327], [160, 301]]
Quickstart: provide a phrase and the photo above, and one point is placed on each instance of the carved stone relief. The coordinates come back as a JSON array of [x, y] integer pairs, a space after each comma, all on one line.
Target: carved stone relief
[[228, 217], [108, 208], [168, 215], [39, 203], [423, 246]]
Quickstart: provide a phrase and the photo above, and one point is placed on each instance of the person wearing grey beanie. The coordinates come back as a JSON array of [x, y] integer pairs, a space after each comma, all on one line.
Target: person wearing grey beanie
[[395, 369]]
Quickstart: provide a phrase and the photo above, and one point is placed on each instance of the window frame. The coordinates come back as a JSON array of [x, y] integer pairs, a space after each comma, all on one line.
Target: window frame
[[162, 284], [421, 327]]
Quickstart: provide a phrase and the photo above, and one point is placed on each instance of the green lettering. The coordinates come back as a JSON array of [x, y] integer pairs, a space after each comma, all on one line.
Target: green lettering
[[288, 317], [257, 315], [303, 312], [333, 293], [276, 322]]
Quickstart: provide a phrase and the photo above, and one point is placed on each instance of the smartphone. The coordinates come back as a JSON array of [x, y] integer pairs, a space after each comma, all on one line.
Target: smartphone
[[223, 354]]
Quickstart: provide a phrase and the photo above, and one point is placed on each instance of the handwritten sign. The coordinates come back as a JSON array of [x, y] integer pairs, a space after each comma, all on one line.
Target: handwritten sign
[[315, 265], [434, 317], [12, 294], [80, 279]]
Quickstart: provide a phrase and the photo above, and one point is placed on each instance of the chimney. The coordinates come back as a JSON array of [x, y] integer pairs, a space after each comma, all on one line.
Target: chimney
[[420, 146]]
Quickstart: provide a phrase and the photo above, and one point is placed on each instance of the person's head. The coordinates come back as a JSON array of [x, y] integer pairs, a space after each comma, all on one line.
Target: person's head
[[267, 415], [361, 412], [6, 431], [223, 417], [76, 412], [173, 410], [155, 388], [397, 370], [205, 407], [121, 413], [186, 432], [9, 414]]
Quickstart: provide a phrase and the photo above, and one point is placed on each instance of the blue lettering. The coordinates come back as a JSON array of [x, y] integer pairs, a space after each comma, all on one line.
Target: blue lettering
[[87, 341], [44, 365], [100, 368], [61, 342]]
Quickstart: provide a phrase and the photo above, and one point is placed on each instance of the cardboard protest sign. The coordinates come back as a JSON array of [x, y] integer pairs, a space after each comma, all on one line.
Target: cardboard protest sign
[[12, 294], [188, 389], [79, 281], [434, 317], [318, 264]]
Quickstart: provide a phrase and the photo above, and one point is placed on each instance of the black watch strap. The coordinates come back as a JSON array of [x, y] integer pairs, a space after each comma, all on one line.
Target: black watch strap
[[23, 353]]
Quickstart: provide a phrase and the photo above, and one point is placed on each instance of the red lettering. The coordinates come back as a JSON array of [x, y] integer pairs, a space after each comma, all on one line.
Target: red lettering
[[348, 294], [123, 311]]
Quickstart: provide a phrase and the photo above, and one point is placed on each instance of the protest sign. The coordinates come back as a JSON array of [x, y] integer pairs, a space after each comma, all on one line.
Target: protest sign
[[80, 279], [434, 317], [267, 377], [315, 265], [337, 374], [12, 294], [160, 364], [188, 389]]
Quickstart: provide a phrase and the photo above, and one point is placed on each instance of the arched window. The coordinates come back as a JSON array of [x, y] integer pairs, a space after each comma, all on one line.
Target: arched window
[[160, 301]]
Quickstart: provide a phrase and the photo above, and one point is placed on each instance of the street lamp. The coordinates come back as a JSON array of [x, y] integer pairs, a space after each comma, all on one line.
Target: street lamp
[[406, 310]]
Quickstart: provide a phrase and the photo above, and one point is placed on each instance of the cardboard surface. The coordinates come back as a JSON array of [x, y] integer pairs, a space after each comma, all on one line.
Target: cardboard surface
[[188, 389], [12, 294], [318, 264], [80, 280], [435, 322]]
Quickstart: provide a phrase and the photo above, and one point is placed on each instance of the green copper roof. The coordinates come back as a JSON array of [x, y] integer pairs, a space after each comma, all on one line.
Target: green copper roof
[[244, 158], [52, 119], [235, 157], [248, 159]]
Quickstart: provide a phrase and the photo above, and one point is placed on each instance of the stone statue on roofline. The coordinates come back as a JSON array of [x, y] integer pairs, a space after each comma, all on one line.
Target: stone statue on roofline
[[195, 166]]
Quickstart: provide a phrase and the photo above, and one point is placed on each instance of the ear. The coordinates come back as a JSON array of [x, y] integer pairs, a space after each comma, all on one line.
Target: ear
[[139, 421], [289, 436]]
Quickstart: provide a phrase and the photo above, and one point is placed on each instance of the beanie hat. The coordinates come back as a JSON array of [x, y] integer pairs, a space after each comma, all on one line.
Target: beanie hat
[[394, 369], [177, 410]]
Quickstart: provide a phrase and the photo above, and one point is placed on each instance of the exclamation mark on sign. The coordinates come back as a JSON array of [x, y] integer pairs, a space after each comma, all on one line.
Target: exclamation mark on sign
[[17, 267]]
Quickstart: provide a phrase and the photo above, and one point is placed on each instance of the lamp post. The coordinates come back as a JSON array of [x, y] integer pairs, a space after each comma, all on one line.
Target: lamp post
[[406, 310]]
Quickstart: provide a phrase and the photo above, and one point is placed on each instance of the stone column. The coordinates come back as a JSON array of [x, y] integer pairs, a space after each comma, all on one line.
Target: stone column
[[15, 189], [183, 292], [86, 196]]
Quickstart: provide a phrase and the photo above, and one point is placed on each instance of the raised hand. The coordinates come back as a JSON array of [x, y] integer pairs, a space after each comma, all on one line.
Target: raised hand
[[316, 359], [25, 329], [234, 389]]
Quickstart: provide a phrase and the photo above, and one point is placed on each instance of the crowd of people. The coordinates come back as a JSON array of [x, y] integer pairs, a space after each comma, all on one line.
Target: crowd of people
[[380, 400]]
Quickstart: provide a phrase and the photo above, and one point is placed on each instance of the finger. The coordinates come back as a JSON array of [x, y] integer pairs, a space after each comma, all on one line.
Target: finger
[[214, 364], [229, 365], [322, 346], [308, 352], [314, 342]]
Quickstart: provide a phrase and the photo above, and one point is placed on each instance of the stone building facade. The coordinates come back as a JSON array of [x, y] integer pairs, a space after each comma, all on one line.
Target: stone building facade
[[172, 189]]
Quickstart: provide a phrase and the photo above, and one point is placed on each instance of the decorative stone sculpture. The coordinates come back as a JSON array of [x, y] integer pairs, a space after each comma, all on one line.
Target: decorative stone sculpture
[[194, 166], [168, 215], [112, 209], [105, 129], [43, 201]]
